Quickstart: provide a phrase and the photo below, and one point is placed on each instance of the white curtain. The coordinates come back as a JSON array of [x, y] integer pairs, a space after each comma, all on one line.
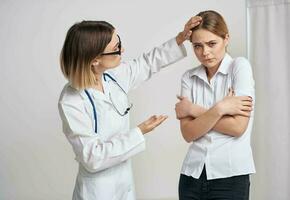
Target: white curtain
[[269, 53]]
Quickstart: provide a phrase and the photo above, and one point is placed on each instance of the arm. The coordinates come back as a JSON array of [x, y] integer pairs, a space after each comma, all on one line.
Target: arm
[[131, 74], [230, 125], [237, 109], [233, 125], [243, 85], [94, 153], [194, 128]]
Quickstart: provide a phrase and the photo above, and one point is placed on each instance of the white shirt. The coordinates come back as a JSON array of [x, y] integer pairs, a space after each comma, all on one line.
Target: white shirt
[[223, 155], [104, 158]]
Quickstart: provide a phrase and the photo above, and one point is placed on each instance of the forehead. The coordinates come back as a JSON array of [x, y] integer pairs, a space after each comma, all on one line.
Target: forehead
[[202, 35]]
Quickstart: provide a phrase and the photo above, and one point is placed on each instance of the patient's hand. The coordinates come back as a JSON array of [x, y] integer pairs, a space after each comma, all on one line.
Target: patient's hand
[[185, 108]]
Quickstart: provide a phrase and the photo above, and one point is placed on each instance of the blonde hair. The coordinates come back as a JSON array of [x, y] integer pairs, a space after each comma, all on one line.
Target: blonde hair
[[213, 22], [83, 43]]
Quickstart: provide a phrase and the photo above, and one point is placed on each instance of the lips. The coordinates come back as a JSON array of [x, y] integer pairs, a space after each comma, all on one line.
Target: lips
[[209, 60]]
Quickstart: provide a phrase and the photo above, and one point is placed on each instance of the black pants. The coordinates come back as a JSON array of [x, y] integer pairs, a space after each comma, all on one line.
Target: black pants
[[233, 188]]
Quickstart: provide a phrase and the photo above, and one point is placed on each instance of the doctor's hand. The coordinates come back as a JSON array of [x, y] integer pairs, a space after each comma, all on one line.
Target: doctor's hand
[[151, 123], [186, 33]]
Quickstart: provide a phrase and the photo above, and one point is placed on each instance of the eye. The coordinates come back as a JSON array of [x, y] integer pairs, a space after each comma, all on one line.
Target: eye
[[212, 44], [197, 46]]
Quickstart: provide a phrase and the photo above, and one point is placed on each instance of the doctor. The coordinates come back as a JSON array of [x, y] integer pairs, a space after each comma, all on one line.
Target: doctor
[[94, 106]]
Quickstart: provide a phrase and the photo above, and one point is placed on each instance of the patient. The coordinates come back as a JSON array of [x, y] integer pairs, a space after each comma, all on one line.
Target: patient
[[216, 116]]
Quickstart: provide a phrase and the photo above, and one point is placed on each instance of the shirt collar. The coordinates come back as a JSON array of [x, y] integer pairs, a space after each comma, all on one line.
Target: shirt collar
[[225, 65], [223, 68]]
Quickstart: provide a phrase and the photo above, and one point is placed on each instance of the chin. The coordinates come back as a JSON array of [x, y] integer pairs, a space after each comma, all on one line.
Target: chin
[[210, 64], [115, 65]]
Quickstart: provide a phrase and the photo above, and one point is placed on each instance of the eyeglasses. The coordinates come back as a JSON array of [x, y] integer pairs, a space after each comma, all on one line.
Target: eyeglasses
[[115, 52], [122, 108]]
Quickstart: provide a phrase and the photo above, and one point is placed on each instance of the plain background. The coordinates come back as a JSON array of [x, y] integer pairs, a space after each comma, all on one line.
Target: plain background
[[36, 161]]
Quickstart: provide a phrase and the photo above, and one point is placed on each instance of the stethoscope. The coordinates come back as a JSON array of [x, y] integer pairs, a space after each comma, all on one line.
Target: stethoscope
[[114, 106]]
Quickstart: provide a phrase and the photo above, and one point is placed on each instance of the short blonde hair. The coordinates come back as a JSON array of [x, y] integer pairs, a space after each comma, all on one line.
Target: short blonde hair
[[83, 43]]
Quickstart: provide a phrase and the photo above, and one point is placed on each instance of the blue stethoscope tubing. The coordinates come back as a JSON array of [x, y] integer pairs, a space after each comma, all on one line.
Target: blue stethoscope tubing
[[92, 102]]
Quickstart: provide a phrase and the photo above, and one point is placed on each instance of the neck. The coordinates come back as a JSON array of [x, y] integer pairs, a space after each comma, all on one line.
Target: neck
[[210, 72], [99, 84]]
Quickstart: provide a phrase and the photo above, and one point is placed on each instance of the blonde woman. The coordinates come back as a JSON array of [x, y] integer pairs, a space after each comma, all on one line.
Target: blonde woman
[[216, 117]]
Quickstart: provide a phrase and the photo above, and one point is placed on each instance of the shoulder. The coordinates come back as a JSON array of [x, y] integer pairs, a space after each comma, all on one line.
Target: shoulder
[[189, 73], [241, 62], [70, 95], [240, 65], [118, 73]]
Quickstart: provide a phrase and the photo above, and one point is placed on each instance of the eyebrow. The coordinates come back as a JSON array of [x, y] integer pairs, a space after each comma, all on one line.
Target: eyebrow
[[205, 42]]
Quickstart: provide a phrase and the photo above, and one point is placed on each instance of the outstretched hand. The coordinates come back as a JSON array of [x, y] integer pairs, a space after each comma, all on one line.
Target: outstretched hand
[[152, 123]]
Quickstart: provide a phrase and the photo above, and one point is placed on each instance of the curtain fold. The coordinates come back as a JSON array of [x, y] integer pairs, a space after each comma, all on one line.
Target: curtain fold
[[255, 3], [269, 52]]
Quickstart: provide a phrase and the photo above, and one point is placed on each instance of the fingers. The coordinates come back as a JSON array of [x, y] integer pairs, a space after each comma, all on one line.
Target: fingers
[[247, 108], [246, 103], [157, 121], [150, 120], [231, 92], [245, 114], [194, 21], [245, 98], [179, 97], [188, 34]]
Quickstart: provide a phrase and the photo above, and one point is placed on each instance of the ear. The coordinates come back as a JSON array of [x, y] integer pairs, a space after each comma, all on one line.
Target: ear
[[95, 63], [227, 38]]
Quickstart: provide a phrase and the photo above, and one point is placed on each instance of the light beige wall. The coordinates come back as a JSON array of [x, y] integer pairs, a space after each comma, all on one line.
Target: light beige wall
[[36, 160]]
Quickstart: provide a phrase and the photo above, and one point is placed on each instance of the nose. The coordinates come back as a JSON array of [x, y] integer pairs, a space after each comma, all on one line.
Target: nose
[[205, 51]]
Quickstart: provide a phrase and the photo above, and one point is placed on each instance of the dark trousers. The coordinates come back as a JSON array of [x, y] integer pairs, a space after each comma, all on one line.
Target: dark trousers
[[233, 188]]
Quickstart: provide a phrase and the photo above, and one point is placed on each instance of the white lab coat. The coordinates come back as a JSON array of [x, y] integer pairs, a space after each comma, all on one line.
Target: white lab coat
[[104, 157]]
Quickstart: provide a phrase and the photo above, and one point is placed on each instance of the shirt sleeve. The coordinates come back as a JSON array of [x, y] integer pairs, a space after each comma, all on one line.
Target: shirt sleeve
[[94, 153], [186, 86], [132, 73], [243, 82]]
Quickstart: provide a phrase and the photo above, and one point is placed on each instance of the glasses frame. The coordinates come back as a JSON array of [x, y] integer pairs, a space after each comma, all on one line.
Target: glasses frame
[[119, 52]]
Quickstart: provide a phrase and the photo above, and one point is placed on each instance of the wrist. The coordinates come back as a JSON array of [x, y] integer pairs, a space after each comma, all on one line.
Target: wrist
[[192, 111], [179, 39], [218, 109]]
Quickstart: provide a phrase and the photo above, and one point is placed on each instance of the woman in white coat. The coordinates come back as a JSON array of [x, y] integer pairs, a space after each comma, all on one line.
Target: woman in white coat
[[94, 105]]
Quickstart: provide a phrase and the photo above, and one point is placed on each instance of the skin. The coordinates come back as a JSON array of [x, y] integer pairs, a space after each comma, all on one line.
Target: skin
[[230, 116], [103, 63], [209, 50]]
